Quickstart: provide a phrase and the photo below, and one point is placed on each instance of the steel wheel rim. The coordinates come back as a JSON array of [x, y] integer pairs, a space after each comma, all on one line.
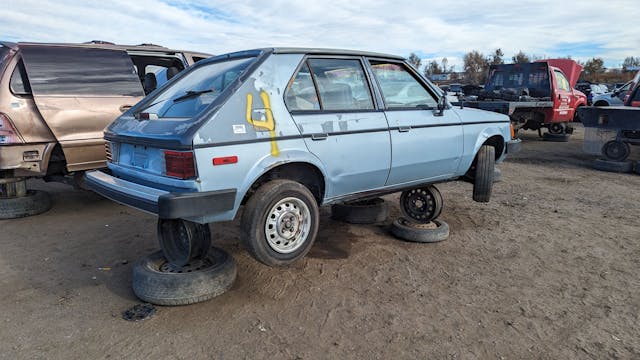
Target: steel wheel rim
[[287, 225], [419, 204]]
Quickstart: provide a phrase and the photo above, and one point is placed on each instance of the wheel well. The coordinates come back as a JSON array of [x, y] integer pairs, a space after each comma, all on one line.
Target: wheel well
[[304, 173], [498, 143], [57, 163]]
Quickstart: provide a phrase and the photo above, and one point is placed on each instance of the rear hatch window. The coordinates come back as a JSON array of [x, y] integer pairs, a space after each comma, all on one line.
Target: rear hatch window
[[195, 91], [518, 80]]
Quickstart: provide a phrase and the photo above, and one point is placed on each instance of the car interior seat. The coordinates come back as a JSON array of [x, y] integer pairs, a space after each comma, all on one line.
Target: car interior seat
[[150, 82], [172, 71]]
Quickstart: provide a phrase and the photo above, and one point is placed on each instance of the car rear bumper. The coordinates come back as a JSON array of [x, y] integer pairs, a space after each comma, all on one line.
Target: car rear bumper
[[165, 204], [514, 146]]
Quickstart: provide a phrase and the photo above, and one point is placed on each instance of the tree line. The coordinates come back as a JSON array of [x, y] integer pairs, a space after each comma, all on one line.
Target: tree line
[[476, 66]]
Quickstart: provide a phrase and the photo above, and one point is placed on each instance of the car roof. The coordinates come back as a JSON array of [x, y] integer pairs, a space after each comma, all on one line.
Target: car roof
[[101, 45], [323, 51]]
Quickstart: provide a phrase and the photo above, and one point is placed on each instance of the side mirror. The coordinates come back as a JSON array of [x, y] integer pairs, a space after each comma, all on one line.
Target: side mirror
[[442, 105]]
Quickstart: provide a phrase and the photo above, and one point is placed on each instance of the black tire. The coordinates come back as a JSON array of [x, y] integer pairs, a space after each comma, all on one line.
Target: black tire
[[636, 167], [613, 166], [615, 150], [261, 209], [33, 203], [361, 212], [484, 170], [555, 137], [421, 204], [158, 282], [556, 128], [406, 230], [182, 241]]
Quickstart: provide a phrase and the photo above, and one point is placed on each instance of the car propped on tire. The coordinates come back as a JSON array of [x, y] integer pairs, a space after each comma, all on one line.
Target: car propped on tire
[[284, 131]]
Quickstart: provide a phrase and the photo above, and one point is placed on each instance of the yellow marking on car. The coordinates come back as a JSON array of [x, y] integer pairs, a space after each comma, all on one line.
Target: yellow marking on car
[[269, 124]]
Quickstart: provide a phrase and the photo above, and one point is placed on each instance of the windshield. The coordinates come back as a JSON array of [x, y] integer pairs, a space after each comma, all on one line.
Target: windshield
[[196, 90]]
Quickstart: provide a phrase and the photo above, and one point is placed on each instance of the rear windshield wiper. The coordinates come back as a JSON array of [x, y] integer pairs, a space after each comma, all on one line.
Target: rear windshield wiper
[[190, 94]]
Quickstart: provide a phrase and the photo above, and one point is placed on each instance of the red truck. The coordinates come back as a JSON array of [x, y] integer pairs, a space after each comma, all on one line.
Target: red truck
[[535, 95]]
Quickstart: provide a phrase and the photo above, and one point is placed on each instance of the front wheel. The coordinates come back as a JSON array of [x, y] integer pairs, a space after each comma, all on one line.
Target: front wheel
[[484, 172], [280, 222]]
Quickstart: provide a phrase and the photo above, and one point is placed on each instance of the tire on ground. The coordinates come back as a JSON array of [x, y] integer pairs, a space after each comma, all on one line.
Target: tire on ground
[[636, 167], [555, 137], [194, 284], [35, 202], [483, 179], [361, 212], [424, 233], [613, 166], [262, 208]]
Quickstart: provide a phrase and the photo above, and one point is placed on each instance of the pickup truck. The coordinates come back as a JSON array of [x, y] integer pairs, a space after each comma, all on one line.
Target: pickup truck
[[535, 95]]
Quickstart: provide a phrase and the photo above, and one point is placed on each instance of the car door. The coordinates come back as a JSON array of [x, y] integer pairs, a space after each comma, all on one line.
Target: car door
[[564, 102], [425, 144], [331, 102], [79, 91]]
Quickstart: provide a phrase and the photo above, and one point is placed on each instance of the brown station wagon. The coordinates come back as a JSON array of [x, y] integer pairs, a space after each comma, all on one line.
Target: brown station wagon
[[56, 100]]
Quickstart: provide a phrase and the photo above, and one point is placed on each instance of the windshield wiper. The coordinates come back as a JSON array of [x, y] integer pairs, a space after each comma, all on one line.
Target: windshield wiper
[[191, 93]]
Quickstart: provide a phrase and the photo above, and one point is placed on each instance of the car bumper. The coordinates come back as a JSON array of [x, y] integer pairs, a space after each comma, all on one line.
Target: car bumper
[[165, 204], [514, 146]]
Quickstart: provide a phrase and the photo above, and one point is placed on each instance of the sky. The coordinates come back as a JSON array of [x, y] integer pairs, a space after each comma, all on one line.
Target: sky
[[431, 29]]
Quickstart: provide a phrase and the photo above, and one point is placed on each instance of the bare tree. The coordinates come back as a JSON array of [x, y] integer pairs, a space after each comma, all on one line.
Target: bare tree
[[497, 57], [444, 63], [475, 66], [594, 66], [520, 58], [414, 60], [432, 68], [630, 62]]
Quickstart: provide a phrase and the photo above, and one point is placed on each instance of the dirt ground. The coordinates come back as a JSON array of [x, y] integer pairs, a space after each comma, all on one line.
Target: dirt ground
[[547, 269]]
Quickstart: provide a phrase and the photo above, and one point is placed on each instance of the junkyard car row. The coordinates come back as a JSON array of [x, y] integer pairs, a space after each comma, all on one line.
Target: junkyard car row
[[276, 132]]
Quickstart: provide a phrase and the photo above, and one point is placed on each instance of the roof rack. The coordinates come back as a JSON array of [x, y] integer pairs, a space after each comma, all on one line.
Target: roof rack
[[101, 42], [150, 44]]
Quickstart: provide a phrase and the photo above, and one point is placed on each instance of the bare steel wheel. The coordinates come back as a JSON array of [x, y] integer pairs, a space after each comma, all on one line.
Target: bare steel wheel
[[182, 241], [616, 150], [421, 204], [556, 128], [288, 224]]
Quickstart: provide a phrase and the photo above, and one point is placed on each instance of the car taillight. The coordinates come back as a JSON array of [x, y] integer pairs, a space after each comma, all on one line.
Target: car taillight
[[179, 164], [8, 134]]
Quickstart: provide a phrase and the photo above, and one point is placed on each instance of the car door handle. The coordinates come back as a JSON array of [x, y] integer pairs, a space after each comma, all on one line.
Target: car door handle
[[404, 128], [322, 136], [124, 108]]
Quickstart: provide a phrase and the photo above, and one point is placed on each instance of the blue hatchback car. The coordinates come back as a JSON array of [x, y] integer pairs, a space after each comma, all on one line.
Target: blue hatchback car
[[283, 131]]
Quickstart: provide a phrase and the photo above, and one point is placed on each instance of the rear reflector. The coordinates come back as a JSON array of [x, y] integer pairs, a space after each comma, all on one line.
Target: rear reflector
[[179, 164], [8, 134], [225, 160]]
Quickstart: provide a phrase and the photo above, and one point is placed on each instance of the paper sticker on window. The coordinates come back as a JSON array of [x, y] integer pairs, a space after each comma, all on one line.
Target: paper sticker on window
[[239, 129]]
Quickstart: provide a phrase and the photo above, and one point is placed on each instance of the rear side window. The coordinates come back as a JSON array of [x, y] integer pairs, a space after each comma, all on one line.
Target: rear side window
[[400, 88], [19, 83], [561, 81], [68, 71], [341, 85]]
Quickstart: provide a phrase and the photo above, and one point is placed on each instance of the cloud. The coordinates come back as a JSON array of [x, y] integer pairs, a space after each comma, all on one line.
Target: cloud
[[437, 29]]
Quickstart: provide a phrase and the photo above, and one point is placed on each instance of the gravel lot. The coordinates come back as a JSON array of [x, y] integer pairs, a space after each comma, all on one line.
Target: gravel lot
[[547, 269]]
